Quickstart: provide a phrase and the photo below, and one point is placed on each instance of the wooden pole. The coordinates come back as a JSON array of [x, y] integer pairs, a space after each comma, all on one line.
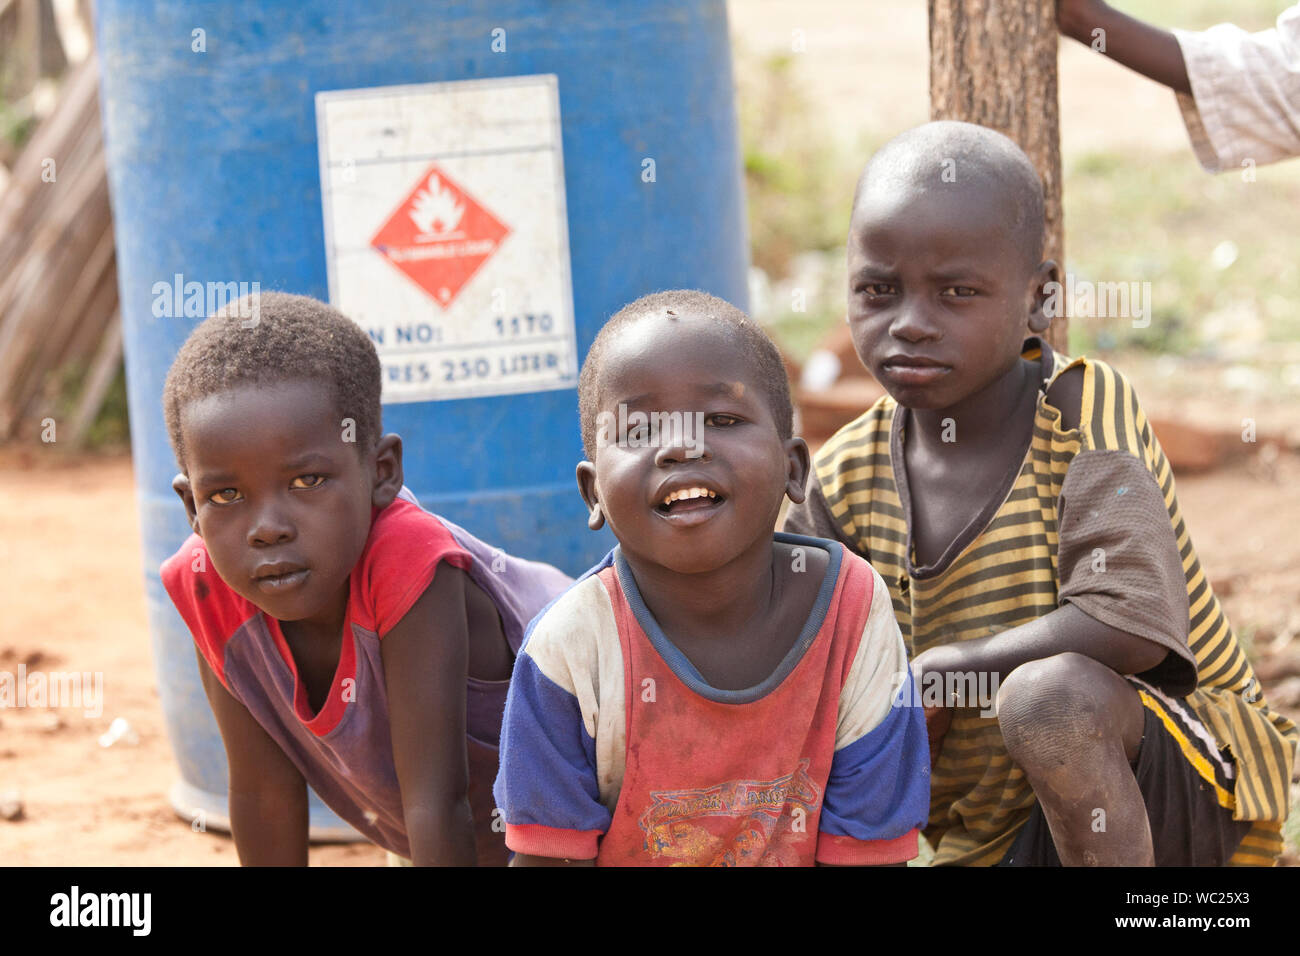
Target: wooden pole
[[993, 62], [108, 358]]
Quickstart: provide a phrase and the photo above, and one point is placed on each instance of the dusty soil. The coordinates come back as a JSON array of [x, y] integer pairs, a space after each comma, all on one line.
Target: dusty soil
[[72, 588]]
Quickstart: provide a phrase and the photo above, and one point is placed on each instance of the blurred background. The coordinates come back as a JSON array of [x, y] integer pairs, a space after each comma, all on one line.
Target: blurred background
[[820, 84]]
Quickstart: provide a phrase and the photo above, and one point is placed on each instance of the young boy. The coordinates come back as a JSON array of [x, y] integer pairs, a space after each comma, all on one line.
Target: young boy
[[710, 693], [1022, 512], [346, 638]]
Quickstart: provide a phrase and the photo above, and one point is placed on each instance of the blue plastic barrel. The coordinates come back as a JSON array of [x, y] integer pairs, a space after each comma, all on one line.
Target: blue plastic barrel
[[211, 137]]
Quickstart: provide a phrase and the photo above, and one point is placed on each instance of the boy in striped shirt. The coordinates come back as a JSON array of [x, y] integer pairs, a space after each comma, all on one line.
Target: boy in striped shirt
[[1022, 512]]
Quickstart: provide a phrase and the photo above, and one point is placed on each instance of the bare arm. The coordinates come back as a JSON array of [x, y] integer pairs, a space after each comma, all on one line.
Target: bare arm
[[1065, 629], [425, 659], [1149, 50], [268, 795]]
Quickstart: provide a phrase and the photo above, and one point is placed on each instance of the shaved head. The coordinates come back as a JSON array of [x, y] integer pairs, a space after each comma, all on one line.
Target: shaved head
[[948, 155]]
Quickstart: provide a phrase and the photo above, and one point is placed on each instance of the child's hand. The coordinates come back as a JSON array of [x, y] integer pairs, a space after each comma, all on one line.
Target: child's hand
[[937, 722]]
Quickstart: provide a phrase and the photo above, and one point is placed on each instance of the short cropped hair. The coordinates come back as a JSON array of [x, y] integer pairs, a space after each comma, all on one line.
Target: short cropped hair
[[975, 155], [287, 338], [759, 350]]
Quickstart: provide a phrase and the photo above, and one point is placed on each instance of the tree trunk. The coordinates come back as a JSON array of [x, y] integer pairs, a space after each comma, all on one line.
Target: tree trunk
[[993, 62]]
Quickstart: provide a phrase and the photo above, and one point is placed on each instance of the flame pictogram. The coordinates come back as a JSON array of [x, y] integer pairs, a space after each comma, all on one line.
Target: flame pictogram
[[435, 211], [439, 236]]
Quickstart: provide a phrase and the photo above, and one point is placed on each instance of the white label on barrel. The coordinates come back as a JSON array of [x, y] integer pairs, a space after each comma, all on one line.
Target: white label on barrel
[[446, 236]]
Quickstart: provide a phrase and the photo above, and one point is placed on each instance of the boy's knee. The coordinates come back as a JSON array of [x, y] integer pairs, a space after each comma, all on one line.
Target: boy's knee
[[1049, 708]]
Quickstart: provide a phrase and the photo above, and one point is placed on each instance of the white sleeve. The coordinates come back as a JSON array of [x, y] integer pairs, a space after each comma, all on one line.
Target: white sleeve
[[1245, 102]]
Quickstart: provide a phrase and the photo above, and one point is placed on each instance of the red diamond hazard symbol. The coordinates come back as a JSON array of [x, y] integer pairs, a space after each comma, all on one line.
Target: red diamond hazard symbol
[[439, 236]]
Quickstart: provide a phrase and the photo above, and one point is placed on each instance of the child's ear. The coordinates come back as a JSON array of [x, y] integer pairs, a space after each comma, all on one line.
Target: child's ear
[[798, 465], [388, 474], [1047, 300], [181, 485], [587, 488]]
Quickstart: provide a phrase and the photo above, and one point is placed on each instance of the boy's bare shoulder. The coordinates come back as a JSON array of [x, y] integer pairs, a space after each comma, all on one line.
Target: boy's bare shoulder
[[1066, 395], [1098, 399]]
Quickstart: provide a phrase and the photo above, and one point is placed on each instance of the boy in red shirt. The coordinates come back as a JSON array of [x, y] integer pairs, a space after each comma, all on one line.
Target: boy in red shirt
[[711, 692], [348, 639]]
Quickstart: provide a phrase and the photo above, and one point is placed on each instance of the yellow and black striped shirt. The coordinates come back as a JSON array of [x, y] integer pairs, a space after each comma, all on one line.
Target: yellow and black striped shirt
[[1009, 574]]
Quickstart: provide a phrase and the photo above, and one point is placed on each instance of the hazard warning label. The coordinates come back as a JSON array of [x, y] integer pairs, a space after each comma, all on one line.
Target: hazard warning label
[[446, 233], [439, 236]]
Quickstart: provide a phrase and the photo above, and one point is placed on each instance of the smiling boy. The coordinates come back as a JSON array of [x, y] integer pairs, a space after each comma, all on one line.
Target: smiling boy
[[710, 693], [1024, 517], [346, 638]]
